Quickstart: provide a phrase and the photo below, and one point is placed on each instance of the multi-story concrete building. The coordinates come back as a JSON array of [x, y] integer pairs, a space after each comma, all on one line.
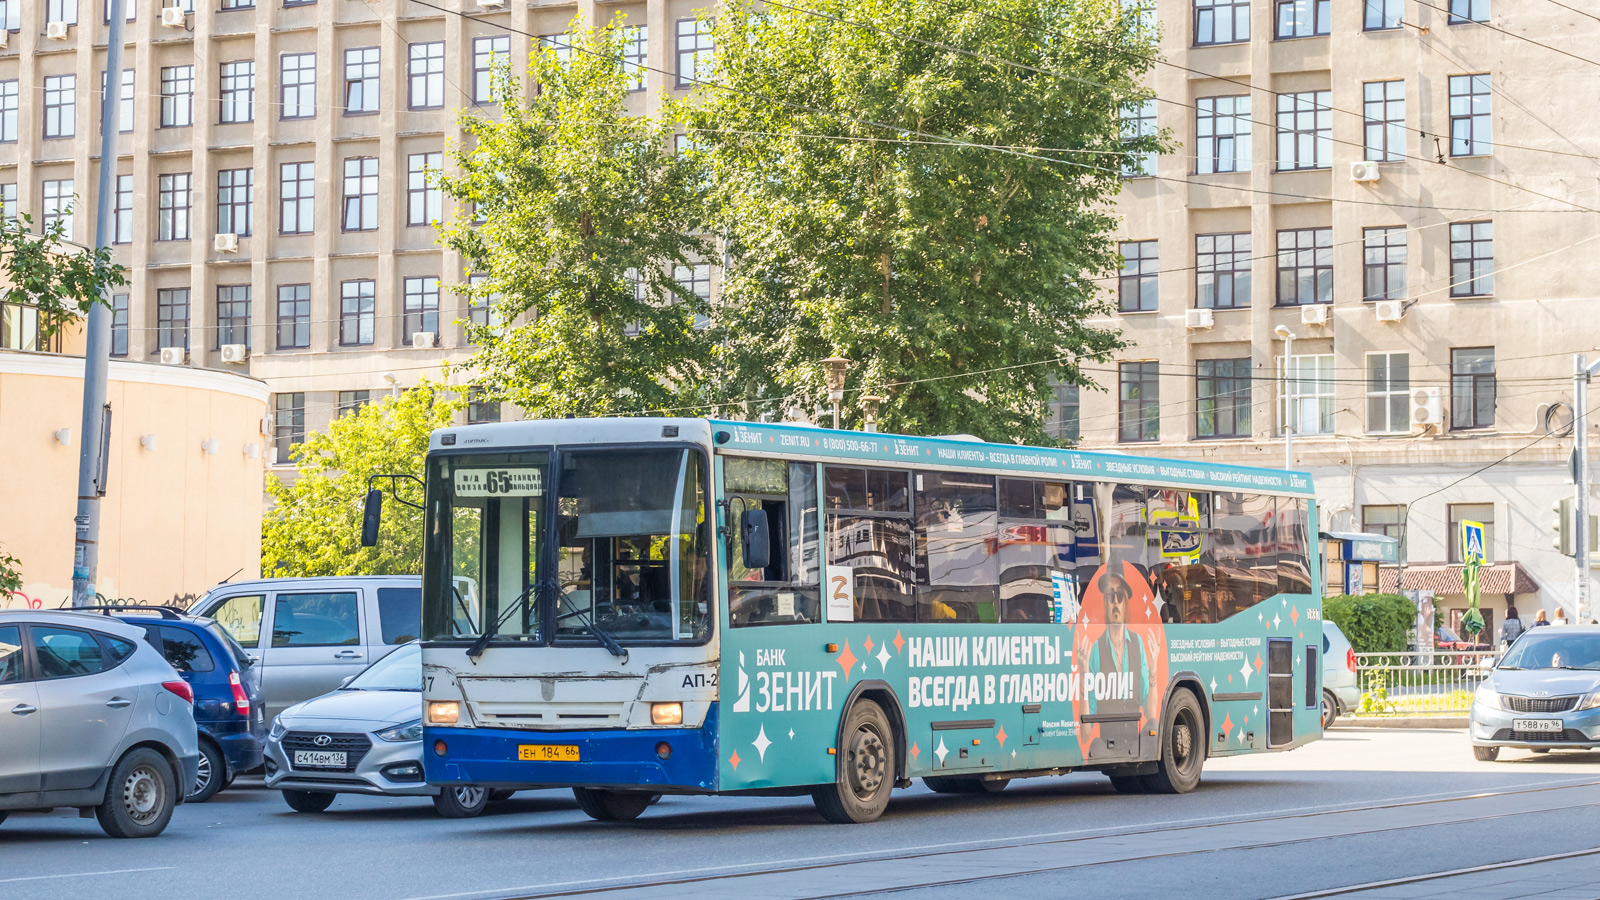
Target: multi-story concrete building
[[1412, 196], [270, 191]]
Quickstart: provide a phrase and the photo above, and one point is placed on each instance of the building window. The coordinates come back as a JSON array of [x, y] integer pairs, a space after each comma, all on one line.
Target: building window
[[1483, 514], [1305, 130], [1470, 130], [426, 70], [1222, 128], [1472, 387], [233, 314], [297, 200], [635, 54], [356, 299], [172, 206], [1382, 15], [1388, 393], [361, 81], [479, 408], [119, 324], [11, 15], [1139, 402], [60, 106], [1139, 123], [8, 110], [298, 85], [1310, 401], [105, 11], [487, 53], [1062, 419], [697, 280], [172, 318], [480, 307], [361, 193], [1305, 266], [1385, 263], [1464, 11], [237, 4], [294, 316], [424, 197], [352, 401], [421, 308], [1136, 288], [61, 11], [560, 45], [695, 55], [1222, 270], [1384, 117], [288, 425], [58, 204], [177, 96], [8, 201], [124, 100], [1221, 21], [1471, 259], [1302, 18], [235, 206], [1388, 520], [238, 86], [1222, 398], [122, 211]]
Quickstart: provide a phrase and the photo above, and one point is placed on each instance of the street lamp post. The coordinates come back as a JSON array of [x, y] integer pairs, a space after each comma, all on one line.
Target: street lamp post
[[833, 369], [869, 406], [1283, 391]]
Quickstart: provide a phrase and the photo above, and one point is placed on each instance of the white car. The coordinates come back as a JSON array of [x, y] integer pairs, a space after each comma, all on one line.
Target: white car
[[364, 738], [1341, 691], [94, 717]]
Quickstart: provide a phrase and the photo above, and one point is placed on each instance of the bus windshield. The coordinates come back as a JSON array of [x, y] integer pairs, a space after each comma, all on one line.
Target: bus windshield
[[619, 543]]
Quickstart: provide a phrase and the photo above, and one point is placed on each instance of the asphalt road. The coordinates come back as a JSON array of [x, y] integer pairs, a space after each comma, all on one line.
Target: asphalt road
[[1359, 807]]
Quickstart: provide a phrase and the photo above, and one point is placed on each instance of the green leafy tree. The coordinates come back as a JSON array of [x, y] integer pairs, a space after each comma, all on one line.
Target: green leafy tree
[[923, 187], [583, 215], [10, 575], [44, 271], [314, 524]]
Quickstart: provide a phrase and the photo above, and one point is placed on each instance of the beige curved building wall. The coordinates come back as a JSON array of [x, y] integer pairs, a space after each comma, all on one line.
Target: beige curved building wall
[[176, 518]]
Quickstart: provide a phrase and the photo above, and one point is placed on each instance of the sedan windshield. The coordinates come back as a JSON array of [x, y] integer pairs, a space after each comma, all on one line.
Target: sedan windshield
[[1554, 651], [399, 671]]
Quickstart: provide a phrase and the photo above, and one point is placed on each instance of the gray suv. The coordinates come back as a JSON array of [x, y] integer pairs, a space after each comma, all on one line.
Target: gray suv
[[310, 634], [92, 716]]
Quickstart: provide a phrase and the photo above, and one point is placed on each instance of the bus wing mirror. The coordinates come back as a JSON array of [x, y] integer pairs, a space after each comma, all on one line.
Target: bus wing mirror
[[755, 538], [371, 512]]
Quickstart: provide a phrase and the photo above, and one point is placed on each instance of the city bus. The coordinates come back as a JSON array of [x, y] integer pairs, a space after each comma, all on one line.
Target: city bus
[[633, 607]]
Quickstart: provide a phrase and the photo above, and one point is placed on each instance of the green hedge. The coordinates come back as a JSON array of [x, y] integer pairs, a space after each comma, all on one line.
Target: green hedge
[[1374, 623]]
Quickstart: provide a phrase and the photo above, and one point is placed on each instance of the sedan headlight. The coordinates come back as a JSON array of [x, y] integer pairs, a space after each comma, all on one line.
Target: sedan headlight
[[1591, 701], [1489, 697], [278, 729], [410, 731]]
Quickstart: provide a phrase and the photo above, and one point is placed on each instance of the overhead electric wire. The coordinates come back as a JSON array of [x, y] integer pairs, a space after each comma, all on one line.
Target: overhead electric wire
[[1463, 20]]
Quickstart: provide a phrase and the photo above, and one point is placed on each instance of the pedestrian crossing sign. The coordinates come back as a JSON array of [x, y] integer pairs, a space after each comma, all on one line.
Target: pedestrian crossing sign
[[1472, 548]]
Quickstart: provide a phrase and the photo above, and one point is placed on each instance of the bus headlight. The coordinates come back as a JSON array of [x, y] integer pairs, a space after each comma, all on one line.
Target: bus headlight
[[666, 713], [443, 712]]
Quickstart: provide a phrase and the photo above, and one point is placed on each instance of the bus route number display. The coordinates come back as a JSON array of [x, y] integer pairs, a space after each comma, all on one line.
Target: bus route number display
[[499, 482]]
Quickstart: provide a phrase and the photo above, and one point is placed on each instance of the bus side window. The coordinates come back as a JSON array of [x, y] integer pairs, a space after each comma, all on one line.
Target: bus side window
[[786, 591]]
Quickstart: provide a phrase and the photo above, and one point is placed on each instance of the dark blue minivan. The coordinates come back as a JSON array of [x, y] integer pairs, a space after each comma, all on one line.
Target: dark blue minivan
[[227, 690]]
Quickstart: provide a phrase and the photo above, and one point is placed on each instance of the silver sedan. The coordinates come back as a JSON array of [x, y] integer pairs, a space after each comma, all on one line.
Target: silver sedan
[[364, 738], [1544, 694]]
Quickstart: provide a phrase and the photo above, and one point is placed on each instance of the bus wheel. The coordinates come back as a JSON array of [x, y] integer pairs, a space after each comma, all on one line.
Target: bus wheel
[[1128, 784], [1183, 749], [956, 784], [866, 768], [611, 806]]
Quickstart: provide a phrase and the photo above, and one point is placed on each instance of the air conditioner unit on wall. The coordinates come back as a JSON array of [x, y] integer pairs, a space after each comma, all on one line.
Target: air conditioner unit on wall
[[1389, 310], [1314, 315], [1198, 318], [235, 353], [174, 17], [173, 356], [1427, 406], [226, 242], [1364, 172], [424, 339], [491, 4], [56, 31]]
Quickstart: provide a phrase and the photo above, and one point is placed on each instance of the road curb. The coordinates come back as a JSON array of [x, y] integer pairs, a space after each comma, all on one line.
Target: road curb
[[1453, 722]]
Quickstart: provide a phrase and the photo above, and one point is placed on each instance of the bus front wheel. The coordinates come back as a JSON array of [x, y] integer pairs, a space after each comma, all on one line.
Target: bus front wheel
[[611, 806], [865, 771], [1183, 747]]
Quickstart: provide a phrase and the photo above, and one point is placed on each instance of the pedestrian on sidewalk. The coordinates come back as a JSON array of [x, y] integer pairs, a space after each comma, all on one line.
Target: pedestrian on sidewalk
[[1511, 627], [1561, 617], [1540, 619]]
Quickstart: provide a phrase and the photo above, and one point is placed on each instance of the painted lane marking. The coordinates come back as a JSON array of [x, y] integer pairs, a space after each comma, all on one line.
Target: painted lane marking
[[85, 874]]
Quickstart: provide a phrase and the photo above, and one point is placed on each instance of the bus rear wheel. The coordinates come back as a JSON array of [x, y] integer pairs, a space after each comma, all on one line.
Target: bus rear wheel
[[611, 806], [1183, 747], [957, 784], [865, 771]]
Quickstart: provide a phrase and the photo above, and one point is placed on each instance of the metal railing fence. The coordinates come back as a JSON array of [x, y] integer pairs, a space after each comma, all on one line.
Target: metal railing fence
[[1439, 682]]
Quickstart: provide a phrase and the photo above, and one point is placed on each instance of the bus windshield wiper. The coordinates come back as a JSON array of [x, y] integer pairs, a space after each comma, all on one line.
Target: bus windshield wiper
[[587, 621], [482, 643]]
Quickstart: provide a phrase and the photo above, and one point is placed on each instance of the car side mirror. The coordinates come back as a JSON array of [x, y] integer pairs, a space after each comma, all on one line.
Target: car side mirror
[[371, 513], [756, 538]]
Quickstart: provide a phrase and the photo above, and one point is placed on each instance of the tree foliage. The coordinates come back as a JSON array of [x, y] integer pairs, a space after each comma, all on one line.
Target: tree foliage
[[314, 524], [10, 575], [922, 187], [44, 271], [584, 215], [1374, 623]]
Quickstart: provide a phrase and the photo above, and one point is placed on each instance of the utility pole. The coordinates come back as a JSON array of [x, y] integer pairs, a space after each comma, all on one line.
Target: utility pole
[[1283, 391], [97, 352], [1582, 371]]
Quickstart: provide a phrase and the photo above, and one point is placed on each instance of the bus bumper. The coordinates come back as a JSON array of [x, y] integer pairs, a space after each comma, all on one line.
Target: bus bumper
[[610, 758]]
